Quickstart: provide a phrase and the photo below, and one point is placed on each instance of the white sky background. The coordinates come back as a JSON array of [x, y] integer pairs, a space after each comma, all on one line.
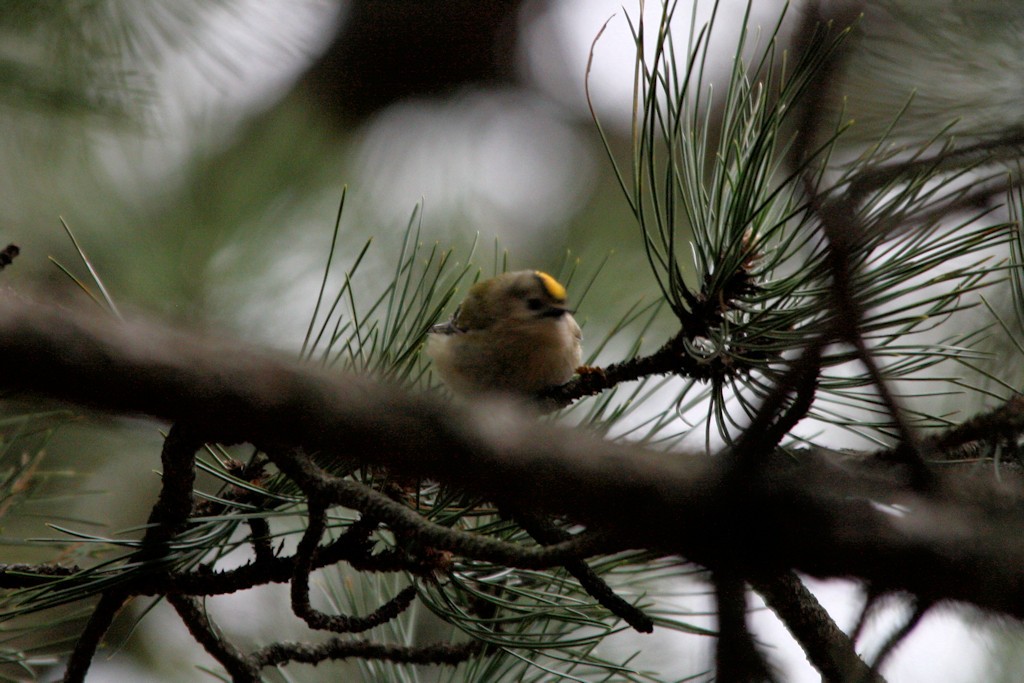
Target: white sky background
[[511, 164]]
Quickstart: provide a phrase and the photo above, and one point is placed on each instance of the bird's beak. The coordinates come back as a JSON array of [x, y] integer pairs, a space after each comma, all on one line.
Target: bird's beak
[[445, 328]]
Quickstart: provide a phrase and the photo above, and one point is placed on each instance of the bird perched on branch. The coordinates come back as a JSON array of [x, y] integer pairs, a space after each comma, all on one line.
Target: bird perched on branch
[[512, 333]]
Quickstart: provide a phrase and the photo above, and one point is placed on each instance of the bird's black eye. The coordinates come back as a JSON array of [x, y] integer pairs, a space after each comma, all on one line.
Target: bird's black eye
[[534, 304]]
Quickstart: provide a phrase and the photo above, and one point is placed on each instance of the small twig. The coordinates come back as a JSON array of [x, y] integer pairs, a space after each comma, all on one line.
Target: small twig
[[29, 575], [259, 528], [871, 602], [824, 80], [766, 431], [336, 648], [405, 521], [736, 657], [259, 538], [805, 384], [973, 437], [840, 227], [350, 547], [1005, 422], [242, 669], [899, 635], [89, 640], [174, 505], [547, 533], [671, 358], [827, 648], [300, 585], [167, 517], [949, 159]]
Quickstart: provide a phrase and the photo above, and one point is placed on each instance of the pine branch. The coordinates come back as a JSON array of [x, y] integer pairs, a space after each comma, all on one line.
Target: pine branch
[[826, 646], [900, 634], [736, 657], [30, 575], [243, 669], [300, 585], [840, 226], [814, 517], [671, 358], [336, 648], [546, 532], [89, 641]]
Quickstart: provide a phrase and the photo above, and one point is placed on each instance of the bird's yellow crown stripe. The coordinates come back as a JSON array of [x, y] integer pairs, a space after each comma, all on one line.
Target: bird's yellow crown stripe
[[551, 285]]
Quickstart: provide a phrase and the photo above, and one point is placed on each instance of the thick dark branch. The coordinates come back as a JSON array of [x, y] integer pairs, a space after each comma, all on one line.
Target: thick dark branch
[[820, 515]]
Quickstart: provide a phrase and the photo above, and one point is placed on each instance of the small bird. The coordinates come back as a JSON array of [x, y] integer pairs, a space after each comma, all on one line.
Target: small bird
[[512, 333]]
